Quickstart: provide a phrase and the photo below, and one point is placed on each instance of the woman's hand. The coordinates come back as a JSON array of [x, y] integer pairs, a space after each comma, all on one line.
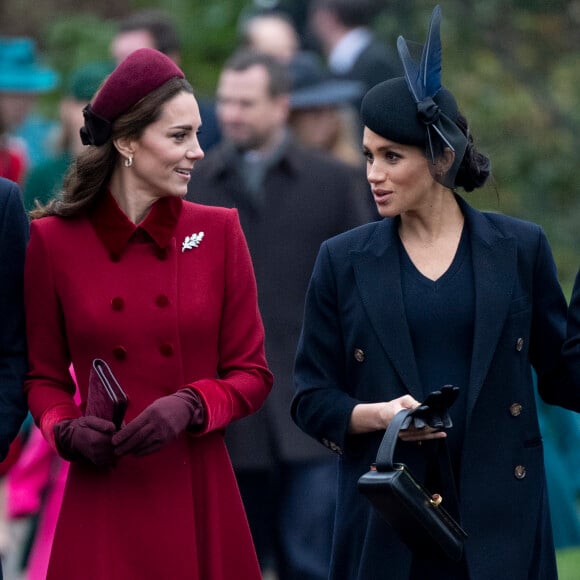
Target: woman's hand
[[85, 439], [158, 424], [367, 417]]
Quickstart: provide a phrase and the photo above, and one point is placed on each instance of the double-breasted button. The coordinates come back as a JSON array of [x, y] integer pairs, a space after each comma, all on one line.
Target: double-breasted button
[[359, 355], [117, 303], [519, 344], [520, 472], [162, 301], [516, 409], [336, 448], [120, 352], [166, 349]]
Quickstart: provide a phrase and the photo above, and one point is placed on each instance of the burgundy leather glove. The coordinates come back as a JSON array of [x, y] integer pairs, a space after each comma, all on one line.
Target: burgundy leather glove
[[159, 423], [86, 438]]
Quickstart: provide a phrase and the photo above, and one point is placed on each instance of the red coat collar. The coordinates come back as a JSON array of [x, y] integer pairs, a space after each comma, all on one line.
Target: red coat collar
[[115, 229]]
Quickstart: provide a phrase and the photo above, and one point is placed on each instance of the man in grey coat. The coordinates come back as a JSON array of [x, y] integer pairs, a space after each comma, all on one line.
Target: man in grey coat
[[290, 199]]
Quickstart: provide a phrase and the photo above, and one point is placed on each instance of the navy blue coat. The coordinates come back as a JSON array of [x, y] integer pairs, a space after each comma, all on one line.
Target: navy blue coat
[[355, 347], [13, 238]]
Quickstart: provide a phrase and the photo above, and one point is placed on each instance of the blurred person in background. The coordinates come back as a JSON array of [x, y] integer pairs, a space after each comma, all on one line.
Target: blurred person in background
[[343, 29], [269, 32], [45, 180], [154, 28], [289, 198], [148, 28], [23, 133], [321, 111]]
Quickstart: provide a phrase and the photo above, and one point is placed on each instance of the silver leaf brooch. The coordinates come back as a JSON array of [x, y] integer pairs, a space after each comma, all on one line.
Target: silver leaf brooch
[[192, 241]]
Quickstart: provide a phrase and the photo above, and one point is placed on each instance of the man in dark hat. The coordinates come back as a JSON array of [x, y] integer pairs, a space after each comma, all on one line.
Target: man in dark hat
[[322, 115]]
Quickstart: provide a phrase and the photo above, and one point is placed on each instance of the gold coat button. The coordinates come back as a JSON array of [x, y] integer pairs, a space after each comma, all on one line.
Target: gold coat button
[[520, 472], [359, 355], [516, 409], [519, 344]]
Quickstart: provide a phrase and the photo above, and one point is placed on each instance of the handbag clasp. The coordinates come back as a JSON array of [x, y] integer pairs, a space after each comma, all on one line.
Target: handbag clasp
[[436, 500]]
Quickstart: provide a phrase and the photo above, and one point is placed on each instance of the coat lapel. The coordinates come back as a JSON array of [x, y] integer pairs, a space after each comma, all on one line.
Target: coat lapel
[[378, 279], [495, 268], [377, 275]]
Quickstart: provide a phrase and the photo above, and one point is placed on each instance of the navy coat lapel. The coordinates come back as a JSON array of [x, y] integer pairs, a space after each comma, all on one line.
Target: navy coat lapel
[[495, 269], [378, 278], [377, 275]]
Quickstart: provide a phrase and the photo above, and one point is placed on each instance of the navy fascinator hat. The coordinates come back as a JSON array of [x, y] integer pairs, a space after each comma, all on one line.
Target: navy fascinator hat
[[416, 109]]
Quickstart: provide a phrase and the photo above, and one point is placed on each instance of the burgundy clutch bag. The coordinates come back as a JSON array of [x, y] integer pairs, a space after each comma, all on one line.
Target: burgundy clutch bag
[[105, 398]]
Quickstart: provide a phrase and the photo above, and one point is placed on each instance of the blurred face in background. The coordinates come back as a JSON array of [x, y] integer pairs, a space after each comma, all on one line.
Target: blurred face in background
[[274, 36], [14, 108], [317, 127], [125, 43], [249, 116], [72, 119]]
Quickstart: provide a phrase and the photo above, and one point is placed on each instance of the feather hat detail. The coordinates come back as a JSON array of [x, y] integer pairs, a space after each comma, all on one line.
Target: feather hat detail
[[416, 109]]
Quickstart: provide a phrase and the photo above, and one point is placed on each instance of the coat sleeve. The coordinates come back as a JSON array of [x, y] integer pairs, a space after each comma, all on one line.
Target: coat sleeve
[[49, 385], [244, 380], [321, 406], [554, 360], [572, 344], [13, 238]]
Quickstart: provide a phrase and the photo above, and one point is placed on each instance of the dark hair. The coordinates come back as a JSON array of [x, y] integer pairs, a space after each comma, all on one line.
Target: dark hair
[[350, 13], [89, 176], [278, 73], [475, 167], [159, 24]]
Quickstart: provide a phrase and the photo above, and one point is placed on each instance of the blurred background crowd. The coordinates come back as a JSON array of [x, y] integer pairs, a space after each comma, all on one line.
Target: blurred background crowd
[[521, 92]]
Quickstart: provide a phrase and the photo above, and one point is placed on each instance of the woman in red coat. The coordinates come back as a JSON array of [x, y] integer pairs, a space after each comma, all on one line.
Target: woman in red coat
[[120, 268]]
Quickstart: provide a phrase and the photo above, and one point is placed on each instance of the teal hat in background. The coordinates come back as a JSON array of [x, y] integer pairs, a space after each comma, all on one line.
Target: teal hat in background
[[20, 70], [84, 81]]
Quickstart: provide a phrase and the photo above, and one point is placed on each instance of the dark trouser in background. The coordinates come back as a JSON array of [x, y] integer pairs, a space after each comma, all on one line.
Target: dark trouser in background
[[291, 515]]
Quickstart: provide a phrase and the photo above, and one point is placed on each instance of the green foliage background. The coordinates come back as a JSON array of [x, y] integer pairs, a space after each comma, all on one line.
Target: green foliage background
[[513, 65]]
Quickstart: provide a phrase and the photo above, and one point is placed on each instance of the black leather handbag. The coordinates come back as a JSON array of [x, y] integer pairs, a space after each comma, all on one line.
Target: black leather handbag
[[416, 514]]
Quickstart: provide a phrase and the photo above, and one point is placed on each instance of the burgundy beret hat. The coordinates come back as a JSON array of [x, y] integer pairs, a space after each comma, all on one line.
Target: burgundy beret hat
[[143, 71]]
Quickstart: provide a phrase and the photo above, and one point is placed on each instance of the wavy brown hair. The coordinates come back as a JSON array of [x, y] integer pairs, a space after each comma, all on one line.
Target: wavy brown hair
[[88, 176]]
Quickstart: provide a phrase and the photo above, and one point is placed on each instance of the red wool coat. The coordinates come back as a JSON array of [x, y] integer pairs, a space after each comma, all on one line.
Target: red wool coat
[[165, 315]]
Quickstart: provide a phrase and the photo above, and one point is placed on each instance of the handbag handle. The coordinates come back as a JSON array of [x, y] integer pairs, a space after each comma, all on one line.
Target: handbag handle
[[384, 461]]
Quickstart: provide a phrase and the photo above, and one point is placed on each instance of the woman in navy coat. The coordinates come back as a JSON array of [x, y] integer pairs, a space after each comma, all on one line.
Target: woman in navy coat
[[436, 293]]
